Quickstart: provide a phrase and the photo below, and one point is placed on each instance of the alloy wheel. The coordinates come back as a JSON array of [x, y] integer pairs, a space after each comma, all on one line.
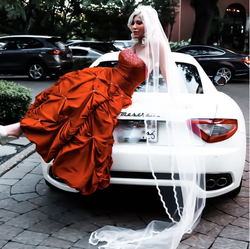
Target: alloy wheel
[[225, 72], [36, 71]]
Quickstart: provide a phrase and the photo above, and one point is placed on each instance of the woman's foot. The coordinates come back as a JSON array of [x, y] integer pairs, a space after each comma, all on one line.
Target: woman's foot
[[4, 137]]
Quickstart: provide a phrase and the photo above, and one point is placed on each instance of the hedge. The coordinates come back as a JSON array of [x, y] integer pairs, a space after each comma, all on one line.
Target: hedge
[[175, 45], [14, 101]]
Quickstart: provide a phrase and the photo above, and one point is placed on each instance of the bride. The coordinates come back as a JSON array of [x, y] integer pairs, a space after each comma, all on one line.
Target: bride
[[72, 123]]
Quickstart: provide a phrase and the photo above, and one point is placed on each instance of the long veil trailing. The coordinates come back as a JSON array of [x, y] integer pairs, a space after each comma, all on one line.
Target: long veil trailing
[[185, 167]]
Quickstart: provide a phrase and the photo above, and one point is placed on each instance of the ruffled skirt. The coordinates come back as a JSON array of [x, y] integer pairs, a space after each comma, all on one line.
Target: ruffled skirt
[[72, 123]]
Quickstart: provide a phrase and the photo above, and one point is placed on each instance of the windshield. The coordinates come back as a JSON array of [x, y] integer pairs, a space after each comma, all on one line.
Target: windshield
[[188, 72]]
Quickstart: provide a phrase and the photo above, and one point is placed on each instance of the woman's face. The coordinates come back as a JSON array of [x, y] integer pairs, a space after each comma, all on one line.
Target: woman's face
[[137, 27]]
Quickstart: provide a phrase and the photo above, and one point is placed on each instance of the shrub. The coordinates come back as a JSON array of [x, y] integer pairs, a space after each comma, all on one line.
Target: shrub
[[14, 101], [175, 45]]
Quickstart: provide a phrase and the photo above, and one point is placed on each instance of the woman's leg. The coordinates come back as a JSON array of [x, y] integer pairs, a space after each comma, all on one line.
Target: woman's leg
[[13, 129]]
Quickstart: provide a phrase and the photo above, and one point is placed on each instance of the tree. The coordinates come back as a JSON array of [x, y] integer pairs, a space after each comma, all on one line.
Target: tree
[[204, 10], [108, 18], [54, 17], [77, 19], [167, 14]]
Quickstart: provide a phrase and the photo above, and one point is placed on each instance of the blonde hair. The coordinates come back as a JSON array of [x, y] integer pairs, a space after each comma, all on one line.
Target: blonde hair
[[136, 12]]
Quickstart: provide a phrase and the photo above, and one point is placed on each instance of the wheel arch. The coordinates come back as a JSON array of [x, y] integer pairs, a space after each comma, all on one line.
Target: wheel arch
[[34, 59], [225, 64]]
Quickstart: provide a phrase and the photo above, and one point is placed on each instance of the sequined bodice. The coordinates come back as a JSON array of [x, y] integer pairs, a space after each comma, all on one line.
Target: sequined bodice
[[133, 71]]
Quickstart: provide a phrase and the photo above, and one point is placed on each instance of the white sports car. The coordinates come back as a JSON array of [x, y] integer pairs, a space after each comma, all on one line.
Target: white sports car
[[221, 123]]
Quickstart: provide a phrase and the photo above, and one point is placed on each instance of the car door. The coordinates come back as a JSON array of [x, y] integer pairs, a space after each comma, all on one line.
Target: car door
[[209, 58], [11, 56]]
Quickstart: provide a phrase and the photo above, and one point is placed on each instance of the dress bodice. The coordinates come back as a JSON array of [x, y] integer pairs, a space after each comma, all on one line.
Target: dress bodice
[[133, 71]]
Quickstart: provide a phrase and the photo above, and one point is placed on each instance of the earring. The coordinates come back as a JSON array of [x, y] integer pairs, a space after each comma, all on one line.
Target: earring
[[143, 41], [135, 40]]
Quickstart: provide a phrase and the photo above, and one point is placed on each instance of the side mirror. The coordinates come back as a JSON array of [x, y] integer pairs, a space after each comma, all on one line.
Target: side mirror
[[220, 80]]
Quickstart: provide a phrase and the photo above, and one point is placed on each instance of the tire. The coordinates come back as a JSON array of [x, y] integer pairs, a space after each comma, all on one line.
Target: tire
[[37, 71], [224, 72]]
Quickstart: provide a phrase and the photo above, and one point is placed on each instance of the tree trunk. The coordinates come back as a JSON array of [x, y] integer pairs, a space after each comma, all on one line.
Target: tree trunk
[[204, 10]]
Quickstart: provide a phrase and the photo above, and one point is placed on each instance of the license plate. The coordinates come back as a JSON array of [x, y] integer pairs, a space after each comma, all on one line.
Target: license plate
[[151, 132], [134, 131]]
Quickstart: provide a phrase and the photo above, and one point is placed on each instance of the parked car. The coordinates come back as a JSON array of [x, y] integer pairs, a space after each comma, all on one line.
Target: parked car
[[83, 57], [123, 44], [33, 55], [101, 47], [220, 121], [218, 61]]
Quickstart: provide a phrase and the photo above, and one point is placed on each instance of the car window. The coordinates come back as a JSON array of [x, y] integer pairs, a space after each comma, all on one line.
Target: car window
[[8, 44], [28, 43], [80, 44], [192, 51], [104, 47], [11, 45], [119, 44], [108, 64], [100, 47], [211, 51], [57, 43], [20, 43], [79, 52], [188, 72]]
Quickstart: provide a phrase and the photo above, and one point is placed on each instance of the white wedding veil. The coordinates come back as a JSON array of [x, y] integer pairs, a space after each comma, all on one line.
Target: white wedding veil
[[186, 168]]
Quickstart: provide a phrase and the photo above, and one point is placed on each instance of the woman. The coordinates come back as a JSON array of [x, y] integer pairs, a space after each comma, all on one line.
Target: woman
[[72, 122]]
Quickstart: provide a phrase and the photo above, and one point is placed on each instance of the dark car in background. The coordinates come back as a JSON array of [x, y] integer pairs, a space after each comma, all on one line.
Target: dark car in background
[[35, 56], [218, 61], [99, 46]]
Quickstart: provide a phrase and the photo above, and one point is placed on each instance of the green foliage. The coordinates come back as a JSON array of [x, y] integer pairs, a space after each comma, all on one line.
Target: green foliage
[[175, 45], [14, 101], [104, 20]]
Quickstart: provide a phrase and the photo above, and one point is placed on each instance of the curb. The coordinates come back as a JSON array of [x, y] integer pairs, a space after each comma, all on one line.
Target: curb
[[11, 163]]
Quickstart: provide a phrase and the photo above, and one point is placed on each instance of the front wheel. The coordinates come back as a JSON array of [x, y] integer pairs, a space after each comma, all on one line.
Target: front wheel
[[224, 72], [37, 71]]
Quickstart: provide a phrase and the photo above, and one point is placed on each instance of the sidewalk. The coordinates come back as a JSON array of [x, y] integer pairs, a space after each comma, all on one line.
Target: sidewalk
[[32, 215]]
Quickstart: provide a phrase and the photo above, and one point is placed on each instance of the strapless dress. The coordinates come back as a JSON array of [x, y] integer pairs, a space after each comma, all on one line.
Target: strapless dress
[[72, 122]]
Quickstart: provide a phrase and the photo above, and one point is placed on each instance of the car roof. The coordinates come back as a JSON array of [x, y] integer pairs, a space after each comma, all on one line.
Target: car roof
[[123, 41], [92, 42], [30, 36]]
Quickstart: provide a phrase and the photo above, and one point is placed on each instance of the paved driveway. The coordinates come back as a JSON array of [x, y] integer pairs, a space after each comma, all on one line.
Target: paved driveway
[[32, 215]]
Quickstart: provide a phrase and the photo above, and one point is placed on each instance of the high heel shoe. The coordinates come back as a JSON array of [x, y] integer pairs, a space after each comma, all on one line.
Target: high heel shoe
[[4, 138]]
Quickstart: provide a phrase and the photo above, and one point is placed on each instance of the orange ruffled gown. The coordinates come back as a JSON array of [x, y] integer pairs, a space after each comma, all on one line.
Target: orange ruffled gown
[[72, 122]]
